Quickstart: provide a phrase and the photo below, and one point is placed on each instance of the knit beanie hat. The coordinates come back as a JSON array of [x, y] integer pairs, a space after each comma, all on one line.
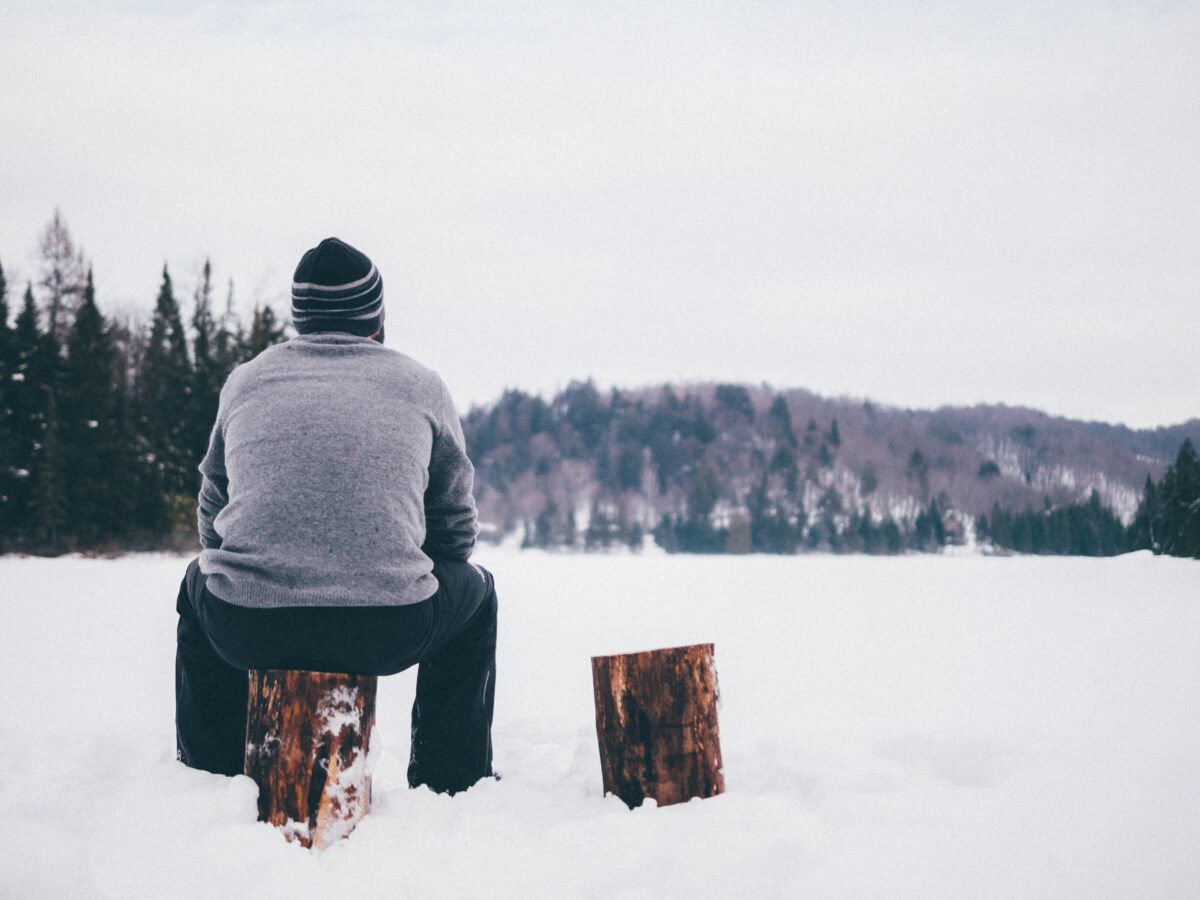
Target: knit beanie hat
[[336, 288]]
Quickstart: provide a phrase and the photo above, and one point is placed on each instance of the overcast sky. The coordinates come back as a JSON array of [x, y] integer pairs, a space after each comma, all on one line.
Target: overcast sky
[[918, 203]]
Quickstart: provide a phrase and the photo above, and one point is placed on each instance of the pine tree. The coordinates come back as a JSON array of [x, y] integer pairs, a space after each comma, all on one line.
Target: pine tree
[[164, 395], [923, 531], [8, 462], [1142, 532], [25, 404], [779, 423], [207, 375], [97, 448], [937, 524], [918, 470], [779, 430], [228, 339], [35, 374], [265, 330], [1179, 496]]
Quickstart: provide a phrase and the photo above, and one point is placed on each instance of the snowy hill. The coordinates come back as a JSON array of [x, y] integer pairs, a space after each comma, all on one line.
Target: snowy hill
[[548, 468], [912, 726]]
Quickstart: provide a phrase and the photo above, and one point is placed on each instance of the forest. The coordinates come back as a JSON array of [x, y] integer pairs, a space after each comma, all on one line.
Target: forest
[[711, 471], [103, 421]]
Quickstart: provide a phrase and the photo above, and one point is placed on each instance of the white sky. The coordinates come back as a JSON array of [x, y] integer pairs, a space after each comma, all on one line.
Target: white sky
[[919, 203]]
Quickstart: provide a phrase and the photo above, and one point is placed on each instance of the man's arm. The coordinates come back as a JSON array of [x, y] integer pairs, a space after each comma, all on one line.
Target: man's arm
[[450, 525], [214, 487]]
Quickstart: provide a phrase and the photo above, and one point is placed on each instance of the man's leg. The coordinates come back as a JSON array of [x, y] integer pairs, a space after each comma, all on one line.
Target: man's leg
[[210, 695], [456, 683]]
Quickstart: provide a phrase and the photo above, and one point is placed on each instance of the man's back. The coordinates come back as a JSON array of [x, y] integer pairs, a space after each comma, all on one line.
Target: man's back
[[333, 460], [335, 479]]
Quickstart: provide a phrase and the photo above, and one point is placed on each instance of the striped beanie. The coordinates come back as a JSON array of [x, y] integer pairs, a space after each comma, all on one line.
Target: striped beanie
[[336, 288]]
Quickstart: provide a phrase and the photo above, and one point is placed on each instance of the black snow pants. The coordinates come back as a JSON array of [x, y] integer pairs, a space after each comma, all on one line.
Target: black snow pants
[[452, 636]]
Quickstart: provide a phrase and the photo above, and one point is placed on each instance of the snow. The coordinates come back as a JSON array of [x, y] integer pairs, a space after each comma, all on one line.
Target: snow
[[338, 709], [917, 726]]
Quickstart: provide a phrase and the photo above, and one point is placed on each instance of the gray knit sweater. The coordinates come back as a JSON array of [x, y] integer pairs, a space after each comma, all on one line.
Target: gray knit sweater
[[336, 470]]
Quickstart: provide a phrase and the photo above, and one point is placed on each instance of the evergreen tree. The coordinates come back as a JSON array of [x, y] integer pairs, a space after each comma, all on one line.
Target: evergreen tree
[[145, 507], [1142, 534], [97, 448], [937, 523], [923, 531], [230, 336], [735, 399], [164, 389], [207, 367], [8, 366], [779, 430], [265, 330], [1179, 496], [24, 401], [779, 423], [629, 468], [824, 456], [893, 540], [918, 470], [35, 378], [772, 529]]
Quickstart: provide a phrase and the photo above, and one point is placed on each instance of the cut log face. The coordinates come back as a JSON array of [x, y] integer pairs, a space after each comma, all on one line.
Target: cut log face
[[307, 737], [656, 721]]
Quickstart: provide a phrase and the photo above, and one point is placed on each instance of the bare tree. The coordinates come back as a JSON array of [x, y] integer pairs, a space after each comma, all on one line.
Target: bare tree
[[62, 274]]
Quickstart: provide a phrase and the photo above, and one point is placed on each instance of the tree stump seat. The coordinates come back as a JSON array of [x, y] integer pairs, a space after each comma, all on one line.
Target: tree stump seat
[[307, 742], [656, 722]]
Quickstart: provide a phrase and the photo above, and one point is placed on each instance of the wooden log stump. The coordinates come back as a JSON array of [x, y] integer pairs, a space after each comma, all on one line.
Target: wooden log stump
[[656, 721], [307, 736]]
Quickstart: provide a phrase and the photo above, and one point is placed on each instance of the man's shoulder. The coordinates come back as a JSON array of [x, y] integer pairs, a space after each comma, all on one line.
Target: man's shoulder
[[247, 370], [405, 363], [368, 360]]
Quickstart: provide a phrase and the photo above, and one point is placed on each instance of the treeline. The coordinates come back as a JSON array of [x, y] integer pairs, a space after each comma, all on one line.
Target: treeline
[[701, 477], [1167, 520], [1079, 529], [102, 421], [713, 472]]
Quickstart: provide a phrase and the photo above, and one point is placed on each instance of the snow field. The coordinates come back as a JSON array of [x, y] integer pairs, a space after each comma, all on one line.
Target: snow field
[[900, 727]]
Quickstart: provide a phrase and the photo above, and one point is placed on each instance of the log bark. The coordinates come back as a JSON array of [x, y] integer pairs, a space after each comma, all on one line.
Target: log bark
[[656, 721], [307, 737]]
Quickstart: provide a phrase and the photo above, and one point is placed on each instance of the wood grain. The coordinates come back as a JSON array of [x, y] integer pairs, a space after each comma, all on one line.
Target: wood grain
[[656, 722], [307, 737]]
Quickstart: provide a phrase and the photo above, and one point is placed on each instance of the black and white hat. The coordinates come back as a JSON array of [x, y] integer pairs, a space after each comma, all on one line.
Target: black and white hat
[[337, 288]]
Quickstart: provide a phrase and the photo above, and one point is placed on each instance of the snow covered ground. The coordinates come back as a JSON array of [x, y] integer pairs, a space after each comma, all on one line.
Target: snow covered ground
[[910, 727]]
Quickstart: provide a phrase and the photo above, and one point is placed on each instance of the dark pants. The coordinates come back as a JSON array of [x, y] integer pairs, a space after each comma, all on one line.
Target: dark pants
[[452, 635]]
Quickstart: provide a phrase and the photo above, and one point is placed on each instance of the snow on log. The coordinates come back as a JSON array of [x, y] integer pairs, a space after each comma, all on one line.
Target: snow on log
[[656, 721], [307, 736]]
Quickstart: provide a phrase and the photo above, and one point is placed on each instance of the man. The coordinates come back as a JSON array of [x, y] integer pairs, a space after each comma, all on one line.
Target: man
[[336, 519]]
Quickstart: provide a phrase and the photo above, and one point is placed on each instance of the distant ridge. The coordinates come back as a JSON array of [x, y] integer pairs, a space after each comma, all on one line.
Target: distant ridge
[[651, 452]]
